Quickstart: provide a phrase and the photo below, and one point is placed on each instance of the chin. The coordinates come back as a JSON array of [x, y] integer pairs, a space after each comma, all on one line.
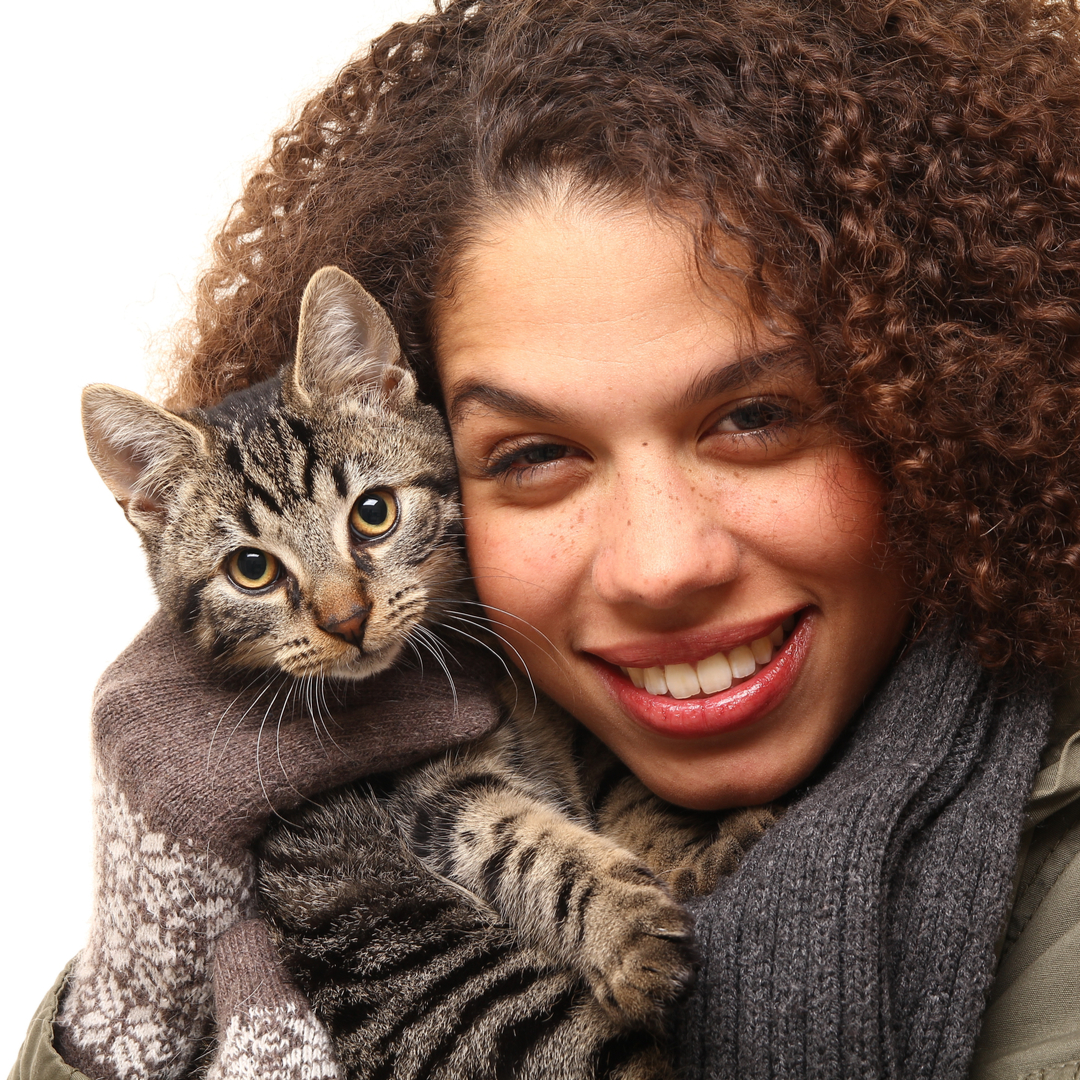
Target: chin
[[364, 665], [709, 797]]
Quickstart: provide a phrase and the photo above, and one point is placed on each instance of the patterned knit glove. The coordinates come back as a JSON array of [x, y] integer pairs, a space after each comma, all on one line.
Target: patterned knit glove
[[266, 1030], [188, 771]]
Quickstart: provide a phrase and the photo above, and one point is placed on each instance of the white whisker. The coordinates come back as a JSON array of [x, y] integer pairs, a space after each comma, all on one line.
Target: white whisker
[[258, 749], [495, 653], [417, 653], [293, 688], [268, 675], [324, 705], [434, 646]]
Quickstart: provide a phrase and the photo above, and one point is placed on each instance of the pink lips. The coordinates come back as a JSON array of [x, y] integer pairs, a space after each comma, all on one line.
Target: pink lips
[[715, 714]]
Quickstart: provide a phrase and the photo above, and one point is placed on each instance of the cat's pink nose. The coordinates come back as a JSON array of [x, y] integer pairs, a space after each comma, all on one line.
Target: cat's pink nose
[[351, 628]]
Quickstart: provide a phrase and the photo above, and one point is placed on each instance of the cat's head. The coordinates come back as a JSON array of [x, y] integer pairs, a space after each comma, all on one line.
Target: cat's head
[[307, 524]]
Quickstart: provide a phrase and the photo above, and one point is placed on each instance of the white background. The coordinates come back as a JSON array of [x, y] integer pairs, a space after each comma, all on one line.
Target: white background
[[128, 129]]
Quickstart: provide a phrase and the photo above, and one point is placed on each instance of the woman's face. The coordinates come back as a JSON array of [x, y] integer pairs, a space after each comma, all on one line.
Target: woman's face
[[647, 505]]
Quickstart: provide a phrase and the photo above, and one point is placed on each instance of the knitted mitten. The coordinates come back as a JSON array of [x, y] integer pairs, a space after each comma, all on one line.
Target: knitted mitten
[[266, 1030], [189, 770]]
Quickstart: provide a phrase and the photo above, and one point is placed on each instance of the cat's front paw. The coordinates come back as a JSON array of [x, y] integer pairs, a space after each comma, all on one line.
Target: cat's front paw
[[737, 832], [638, 951]]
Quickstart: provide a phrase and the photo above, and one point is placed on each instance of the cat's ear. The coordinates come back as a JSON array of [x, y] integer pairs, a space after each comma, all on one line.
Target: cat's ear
[[140, 449], [346, 346]]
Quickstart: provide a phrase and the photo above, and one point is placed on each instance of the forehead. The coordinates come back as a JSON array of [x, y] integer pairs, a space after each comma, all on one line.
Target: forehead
[[568, 300]]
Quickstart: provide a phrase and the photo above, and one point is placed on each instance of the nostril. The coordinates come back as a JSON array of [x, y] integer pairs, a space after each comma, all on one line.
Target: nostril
[[350, 629]]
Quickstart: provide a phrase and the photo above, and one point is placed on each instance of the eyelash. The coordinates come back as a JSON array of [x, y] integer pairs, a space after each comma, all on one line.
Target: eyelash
[[784, 417], [503, 466]]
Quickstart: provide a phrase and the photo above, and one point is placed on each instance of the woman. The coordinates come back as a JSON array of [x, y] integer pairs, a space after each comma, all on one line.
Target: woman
[[744, 316]]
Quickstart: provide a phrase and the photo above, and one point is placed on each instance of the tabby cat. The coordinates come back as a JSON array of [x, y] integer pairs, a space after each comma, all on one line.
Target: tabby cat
[[498, 911]]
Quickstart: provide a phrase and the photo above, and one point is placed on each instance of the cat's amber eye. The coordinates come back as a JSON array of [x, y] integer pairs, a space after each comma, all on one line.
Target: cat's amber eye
[[250, 568], [374, 514]]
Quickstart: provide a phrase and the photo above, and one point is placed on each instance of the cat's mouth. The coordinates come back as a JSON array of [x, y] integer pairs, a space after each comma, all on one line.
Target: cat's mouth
[[301, 659], [357, 665], [363, 665]]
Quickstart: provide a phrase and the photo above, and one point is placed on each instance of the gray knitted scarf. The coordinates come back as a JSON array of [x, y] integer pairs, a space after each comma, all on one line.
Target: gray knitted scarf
[[857, 938]]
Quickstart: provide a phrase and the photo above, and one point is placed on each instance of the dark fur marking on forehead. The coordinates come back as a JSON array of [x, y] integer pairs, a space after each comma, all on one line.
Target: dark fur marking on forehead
[[338, 473], [441, 485], [278, 428], [257, 491], [281, 463], [311, 462], [295, 436], [301, 430], [233, 458], [247, 522]]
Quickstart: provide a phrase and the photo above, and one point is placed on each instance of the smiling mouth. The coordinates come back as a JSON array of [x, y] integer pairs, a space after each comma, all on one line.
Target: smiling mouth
[[715, 673]]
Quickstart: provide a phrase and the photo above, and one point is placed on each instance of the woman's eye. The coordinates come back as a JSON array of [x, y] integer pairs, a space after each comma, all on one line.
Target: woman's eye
[[765, 420], [523, 460], [249, 568], [541, 455], [373, 514], [754, 416]]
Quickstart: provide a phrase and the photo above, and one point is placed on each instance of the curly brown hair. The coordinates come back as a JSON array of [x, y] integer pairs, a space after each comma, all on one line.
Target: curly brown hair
[[904, 175]]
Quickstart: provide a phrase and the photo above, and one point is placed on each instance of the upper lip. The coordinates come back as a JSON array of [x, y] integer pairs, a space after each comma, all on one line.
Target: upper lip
[[688, 647]]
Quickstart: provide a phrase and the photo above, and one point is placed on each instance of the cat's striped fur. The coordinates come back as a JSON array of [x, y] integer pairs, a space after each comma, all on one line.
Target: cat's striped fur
[[562, 956], [509, 909]]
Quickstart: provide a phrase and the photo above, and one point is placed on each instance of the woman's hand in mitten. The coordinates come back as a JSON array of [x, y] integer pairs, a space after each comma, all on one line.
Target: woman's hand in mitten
[[266, 1030], [189, 769]]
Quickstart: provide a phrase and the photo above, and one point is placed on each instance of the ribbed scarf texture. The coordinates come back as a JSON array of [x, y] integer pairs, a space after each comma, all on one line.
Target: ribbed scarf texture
[[858, 937]]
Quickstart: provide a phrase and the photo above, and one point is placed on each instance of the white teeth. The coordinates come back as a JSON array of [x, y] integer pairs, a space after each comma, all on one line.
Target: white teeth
[[682, 680], [714, 673], [742, 661], [762, 649], [655, 682]]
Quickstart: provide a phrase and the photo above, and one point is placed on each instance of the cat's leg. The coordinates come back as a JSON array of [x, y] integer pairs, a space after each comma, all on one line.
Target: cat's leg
[[586, 901], [688, 850]]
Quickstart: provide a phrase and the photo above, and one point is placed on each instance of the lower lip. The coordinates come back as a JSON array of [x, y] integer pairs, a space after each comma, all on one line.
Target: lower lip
[[717, 714]]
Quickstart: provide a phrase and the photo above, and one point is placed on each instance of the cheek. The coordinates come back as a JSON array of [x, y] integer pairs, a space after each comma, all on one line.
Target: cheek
[[851, 522], [823, 519], [525, 568]]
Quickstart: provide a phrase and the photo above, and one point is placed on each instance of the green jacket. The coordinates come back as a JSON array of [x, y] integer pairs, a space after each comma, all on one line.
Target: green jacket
[[1031, 1030]]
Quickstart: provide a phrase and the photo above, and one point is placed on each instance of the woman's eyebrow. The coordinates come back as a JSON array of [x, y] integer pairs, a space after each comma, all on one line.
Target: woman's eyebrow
[[507, 402], [741, 373], [708, 385]]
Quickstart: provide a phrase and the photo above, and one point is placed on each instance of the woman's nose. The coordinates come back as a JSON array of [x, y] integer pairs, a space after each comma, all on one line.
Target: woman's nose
[[661, 540]]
